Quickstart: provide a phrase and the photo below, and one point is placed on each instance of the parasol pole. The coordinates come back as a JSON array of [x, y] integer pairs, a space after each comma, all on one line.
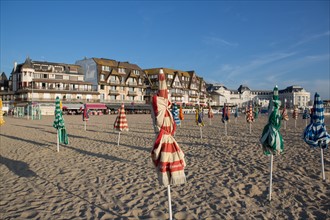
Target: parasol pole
[[226, 128], [200, 129], [322, 161], [169, 201], [58, 143], [236, 120], [250, 127], [85, 124], [306, 122], [295, 123], [284, 125], [118, 139], [271, 177]]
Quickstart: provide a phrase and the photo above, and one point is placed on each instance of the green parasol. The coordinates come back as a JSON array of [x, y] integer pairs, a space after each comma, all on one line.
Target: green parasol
[[271, 139], [62, 136]]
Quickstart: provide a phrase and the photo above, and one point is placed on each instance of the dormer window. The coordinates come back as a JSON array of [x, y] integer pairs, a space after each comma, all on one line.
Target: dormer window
[[105, 68], [136, 72], [102, 77], [121, 70]]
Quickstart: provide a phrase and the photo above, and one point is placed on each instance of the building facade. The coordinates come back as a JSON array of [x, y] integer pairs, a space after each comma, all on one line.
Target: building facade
[[117, 82], [291, 96], [184, 87]]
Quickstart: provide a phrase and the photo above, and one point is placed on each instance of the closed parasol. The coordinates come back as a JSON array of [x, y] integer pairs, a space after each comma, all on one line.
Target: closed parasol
[[306, 115], [121, 122], [199, 120], [85, 115], [62, 136], [295, 116], [315, 134], [175, 114], [210, 114], [249, 116], [271, 138], [167, 156], [285, 116], [181, 115]]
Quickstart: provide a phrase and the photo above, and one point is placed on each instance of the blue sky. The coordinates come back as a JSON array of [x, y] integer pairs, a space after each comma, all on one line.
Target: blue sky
[[257, 43]]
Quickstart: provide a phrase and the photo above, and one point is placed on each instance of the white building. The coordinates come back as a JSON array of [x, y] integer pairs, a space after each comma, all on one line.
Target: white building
[[293, 95]]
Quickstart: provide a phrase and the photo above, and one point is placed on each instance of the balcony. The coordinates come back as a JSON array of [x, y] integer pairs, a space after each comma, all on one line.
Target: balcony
[[132, 93], [193, 95], [177, 94], [114, 82], [113, 92], [132, 83]]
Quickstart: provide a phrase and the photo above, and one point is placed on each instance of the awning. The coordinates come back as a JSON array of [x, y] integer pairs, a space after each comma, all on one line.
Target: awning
[[73, 106], [95, 106]]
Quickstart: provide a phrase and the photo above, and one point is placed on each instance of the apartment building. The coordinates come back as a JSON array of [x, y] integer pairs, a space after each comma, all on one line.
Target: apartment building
[[42, 82], [117, 82], [185, 87], [291, 96]]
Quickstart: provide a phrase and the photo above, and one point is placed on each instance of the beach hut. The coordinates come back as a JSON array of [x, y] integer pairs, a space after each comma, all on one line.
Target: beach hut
[[166, 155], [62, 136], [315, 134], [2, 121], [121, 122], [271, 138]]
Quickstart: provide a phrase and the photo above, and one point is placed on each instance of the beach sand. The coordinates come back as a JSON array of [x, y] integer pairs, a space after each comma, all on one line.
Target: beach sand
[[93, 178]]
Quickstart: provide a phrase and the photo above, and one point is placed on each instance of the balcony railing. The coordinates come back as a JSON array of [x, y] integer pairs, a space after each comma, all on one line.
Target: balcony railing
[[132, 93], [113, 92], [132, 83], [65, 88], [177, 94]]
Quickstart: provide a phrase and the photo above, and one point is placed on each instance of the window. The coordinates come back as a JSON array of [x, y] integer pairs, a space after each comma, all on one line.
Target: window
[[121, 70], [105, 68], [102, 87], [136, 72], [170, 76], [102, 77]]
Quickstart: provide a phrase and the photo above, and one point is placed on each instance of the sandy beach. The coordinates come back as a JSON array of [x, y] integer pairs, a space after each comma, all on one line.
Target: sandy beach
[[93, 178]]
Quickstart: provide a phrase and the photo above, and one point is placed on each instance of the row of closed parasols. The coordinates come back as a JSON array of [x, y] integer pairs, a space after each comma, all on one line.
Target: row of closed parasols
[[167, 156]]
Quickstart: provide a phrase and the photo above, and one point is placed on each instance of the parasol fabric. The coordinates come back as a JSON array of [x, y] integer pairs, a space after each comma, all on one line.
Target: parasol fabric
[[249, 114], [295, 113], [175, 114], [199, 118], [256, 112], [181, 115], [59, 124], [225, 113], [236, 112], [210, 113], [121, 121], [315, 134], [166, 154], [2, 121], [271, 138], [85, 115], [306, 114], [285, 116]]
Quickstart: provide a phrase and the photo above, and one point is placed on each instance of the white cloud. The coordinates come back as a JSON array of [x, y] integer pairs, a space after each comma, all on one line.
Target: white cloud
[[218, 42], [310, 38]]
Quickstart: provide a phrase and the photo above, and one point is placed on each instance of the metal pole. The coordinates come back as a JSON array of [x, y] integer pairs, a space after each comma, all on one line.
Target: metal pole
[[271, 177], [169, 201]]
